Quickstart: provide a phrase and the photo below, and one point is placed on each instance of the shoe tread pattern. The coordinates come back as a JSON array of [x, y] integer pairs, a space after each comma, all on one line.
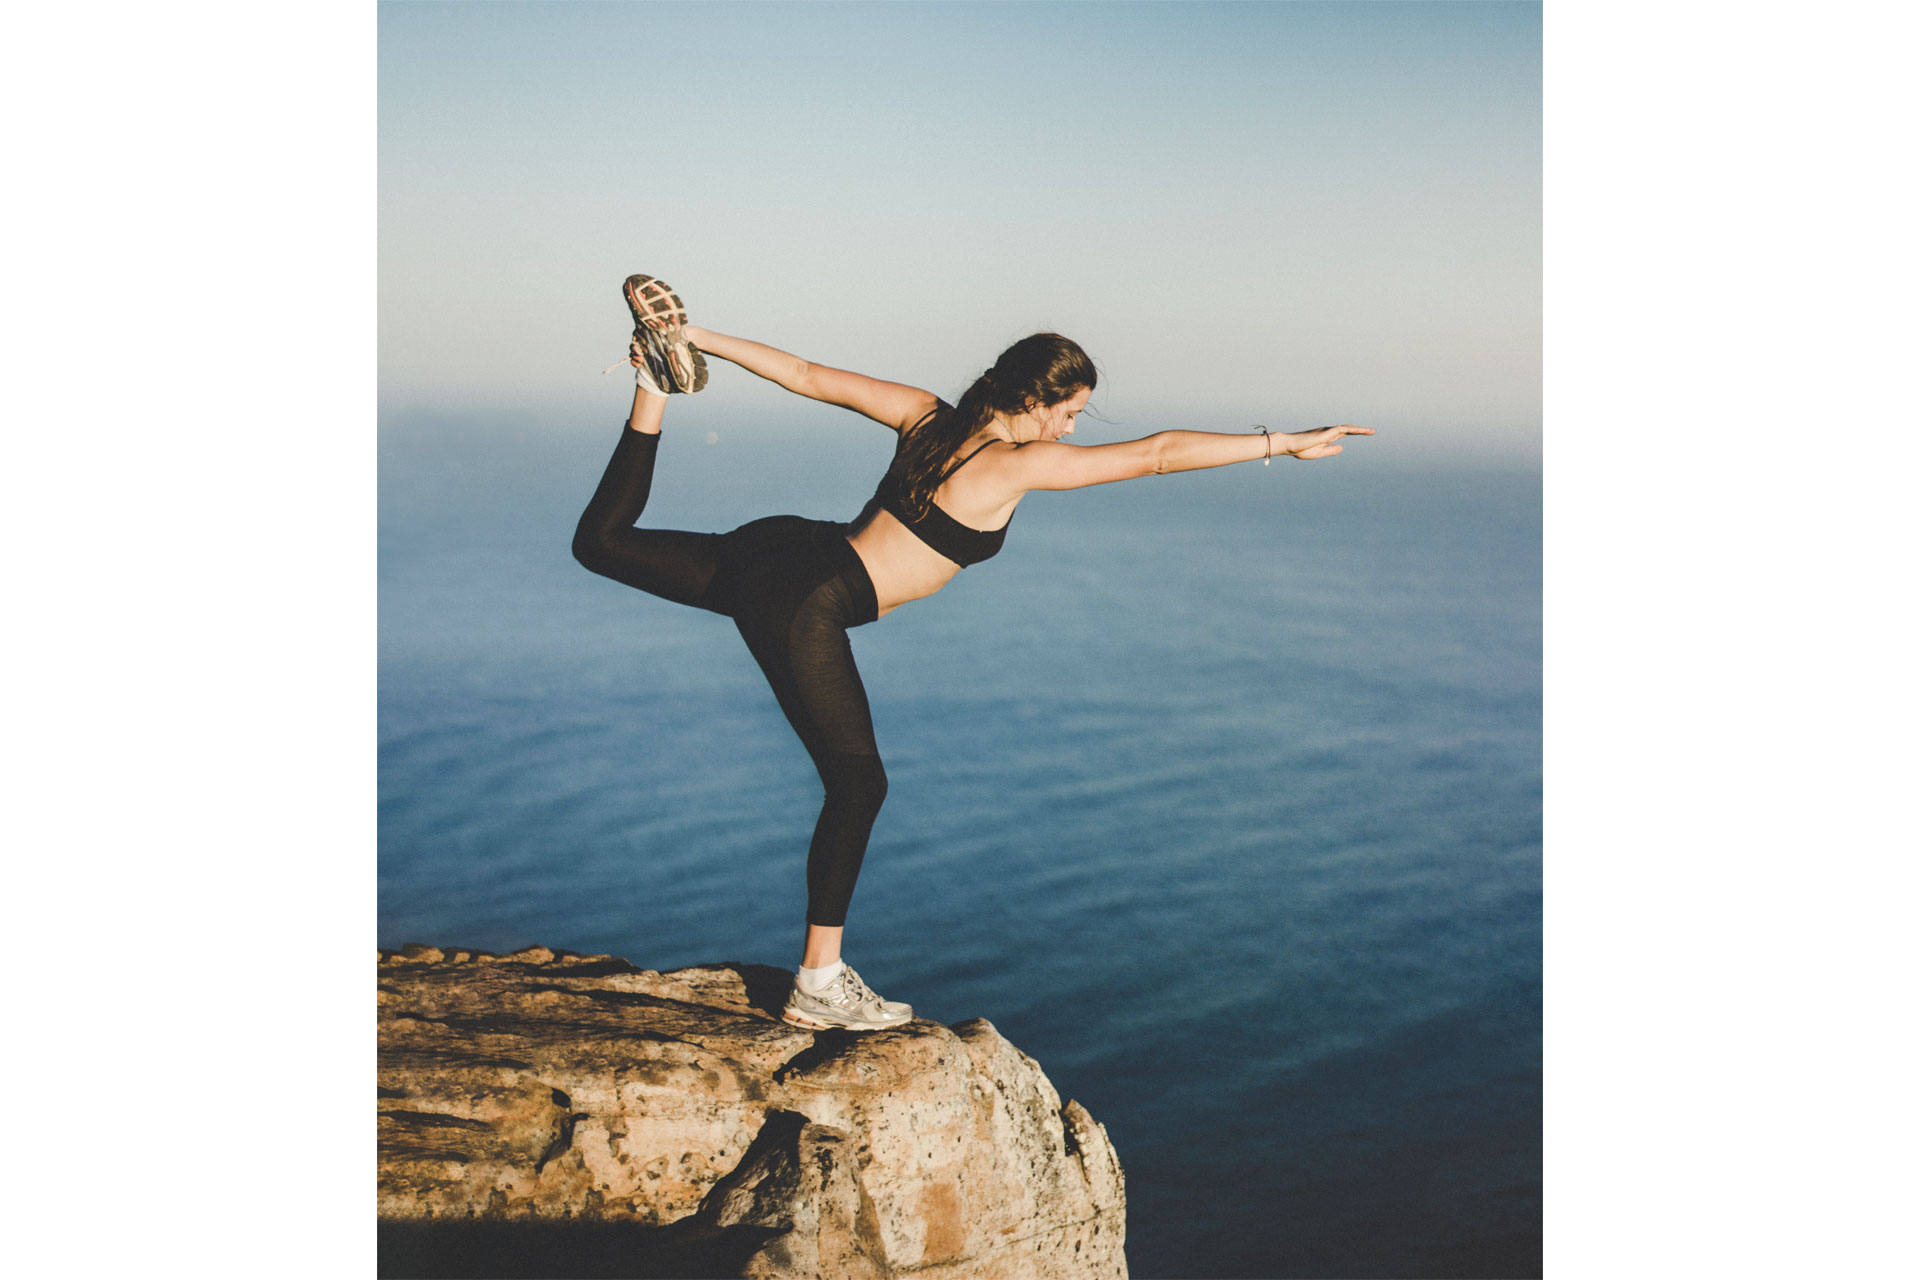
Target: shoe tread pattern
[[660, 318]]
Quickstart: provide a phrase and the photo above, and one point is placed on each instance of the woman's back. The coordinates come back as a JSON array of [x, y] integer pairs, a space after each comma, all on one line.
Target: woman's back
[[951, 492]]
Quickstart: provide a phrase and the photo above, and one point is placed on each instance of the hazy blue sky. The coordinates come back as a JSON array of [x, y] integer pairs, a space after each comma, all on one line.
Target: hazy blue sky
[[1291, 213]]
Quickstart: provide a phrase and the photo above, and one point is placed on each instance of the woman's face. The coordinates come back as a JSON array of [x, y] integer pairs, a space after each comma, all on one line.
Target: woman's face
[[1055, 420]]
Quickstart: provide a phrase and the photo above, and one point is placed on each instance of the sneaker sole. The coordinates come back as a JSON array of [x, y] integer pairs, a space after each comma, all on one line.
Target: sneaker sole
[[799, 1019], [658, 310]]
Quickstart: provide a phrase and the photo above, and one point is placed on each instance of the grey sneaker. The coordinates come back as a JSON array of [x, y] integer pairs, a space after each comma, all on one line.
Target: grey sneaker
[[847, 1002], [659, 320]]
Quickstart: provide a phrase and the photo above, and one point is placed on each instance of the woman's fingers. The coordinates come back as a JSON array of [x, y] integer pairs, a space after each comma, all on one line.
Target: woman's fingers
[[1323, 445]]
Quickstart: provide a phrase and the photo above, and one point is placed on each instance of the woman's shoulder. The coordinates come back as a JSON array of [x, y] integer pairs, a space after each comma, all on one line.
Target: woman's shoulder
[[939, 407]]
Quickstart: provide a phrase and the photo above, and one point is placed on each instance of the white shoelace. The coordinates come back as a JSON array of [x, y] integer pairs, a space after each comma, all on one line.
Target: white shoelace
[[643, 375], [855, 992]]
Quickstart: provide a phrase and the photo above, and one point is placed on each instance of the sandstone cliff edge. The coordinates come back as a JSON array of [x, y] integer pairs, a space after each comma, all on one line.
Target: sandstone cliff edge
[[543, 1113]]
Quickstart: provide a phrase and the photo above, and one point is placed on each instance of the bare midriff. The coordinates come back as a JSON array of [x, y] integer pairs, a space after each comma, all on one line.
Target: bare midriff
[[902, 567]]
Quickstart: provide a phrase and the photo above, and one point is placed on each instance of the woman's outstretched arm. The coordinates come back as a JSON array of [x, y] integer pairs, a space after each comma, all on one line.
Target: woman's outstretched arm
[[893, 404], [1050, 465]]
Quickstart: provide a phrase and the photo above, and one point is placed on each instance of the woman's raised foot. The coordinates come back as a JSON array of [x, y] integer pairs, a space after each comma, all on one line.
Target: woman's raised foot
[[660, 324]]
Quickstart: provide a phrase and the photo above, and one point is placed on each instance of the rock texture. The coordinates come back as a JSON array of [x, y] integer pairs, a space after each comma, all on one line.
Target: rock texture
[[551, 1114]]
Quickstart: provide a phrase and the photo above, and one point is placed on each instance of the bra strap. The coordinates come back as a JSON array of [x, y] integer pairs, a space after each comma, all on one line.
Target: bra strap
[[963, 462]]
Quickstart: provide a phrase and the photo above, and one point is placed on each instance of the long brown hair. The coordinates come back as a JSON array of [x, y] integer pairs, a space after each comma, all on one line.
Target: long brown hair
[[1040, 370]]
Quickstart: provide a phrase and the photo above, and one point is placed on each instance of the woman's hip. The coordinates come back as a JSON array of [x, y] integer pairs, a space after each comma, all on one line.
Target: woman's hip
[[773, 569]]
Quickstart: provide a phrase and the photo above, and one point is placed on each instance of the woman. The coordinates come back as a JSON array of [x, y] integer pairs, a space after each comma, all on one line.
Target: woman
[[794, 587]]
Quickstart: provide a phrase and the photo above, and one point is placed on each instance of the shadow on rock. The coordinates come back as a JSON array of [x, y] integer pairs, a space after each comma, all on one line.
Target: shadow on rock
[[767, 987], [480, 1248]]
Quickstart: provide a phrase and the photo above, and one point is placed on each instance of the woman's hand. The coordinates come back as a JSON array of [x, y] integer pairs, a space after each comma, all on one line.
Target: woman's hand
[[1320, 444]]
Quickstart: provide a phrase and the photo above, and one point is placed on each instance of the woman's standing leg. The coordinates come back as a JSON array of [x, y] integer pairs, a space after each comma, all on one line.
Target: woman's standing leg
[[807, 659], [809, 664]]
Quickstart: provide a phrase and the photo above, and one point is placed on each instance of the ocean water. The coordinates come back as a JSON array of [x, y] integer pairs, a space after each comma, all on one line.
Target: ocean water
[[1219, 794]]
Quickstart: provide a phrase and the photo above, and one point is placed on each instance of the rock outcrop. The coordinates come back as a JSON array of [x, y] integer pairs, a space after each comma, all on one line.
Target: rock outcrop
[[550, 1114]]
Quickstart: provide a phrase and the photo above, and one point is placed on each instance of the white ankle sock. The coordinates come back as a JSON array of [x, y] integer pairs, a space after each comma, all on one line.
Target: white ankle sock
[[813, 981]]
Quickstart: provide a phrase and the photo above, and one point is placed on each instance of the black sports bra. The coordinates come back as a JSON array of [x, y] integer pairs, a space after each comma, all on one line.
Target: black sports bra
[[959, 543]]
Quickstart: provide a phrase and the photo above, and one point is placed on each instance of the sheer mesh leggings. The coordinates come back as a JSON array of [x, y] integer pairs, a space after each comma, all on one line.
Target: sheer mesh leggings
[[667, 563], [793, 587]]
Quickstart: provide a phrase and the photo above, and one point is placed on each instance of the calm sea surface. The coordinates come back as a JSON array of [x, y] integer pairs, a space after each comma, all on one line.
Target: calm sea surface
[[1219, 794]]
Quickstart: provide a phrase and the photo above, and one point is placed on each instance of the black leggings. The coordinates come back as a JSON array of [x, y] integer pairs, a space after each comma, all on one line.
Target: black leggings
[[793, 587]]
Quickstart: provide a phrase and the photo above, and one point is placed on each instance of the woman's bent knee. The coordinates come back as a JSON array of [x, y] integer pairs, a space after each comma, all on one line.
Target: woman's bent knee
[[594, 547], [590, 546]]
